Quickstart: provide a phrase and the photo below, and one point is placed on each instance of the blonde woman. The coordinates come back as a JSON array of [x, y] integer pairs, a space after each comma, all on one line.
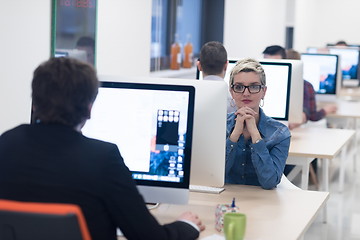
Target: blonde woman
[[257, 146]]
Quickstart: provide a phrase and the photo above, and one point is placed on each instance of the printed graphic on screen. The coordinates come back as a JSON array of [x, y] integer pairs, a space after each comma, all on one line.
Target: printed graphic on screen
[[349, 61], [320, 71], [148, 126]]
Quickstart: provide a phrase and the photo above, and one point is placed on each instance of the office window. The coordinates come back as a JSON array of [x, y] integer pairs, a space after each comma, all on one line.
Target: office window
[[181, 21], [74, 29]]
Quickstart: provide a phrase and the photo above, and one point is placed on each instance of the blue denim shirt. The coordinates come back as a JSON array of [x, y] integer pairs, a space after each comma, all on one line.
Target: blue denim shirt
[[261, 164]]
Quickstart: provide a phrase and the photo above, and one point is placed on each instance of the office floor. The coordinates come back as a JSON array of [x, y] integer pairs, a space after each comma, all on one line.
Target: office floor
[[343, 209]]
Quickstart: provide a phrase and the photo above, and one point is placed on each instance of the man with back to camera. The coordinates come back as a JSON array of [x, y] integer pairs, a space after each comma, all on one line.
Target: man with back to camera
[[213, 63], [274, 52], [51, 161]]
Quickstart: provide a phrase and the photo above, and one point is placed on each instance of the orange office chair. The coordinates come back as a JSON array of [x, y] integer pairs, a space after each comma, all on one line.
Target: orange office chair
[[41, 221]]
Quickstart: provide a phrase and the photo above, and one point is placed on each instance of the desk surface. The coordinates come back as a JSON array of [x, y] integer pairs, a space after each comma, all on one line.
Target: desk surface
[[318, 142], [347, 109], [271, 214]]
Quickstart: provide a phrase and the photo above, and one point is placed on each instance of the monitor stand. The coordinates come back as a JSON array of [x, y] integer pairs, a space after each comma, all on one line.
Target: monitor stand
[[152, 205], [350, 83], [205, 189]]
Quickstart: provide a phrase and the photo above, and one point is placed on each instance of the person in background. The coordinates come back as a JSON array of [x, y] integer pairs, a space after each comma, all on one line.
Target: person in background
[[257, 146], [341, 43], [213, 63], [51, 161], [274, 52], [87, 44]]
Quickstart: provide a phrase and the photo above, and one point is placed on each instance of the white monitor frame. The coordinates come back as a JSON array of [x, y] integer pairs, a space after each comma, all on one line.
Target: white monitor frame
[[296, 90], [209, 128]]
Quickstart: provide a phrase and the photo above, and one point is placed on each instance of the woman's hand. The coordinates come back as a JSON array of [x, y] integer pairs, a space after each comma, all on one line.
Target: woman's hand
[[243, 115], [252, 129]]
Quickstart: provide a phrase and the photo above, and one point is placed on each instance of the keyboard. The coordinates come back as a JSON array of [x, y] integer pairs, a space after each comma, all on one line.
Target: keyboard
[[205, 189]]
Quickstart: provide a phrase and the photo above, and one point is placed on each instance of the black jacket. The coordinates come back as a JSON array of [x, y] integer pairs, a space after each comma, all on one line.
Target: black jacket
[[54, 163]]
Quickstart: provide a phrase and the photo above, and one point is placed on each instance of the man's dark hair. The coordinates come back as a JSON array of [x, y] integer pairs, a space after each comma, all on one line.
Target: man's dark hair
[[62, 91], [341, 43], [275, 50], [213, 57]]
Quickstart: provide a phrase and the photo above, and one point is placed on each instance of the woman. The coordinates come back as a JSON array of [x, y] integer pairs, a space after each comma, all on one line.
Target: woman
[[257, 146]]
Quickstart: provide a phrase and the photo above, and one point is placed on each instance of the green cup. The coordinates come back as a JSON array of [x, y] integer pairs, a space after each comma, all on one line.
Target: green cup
[[234, 226]]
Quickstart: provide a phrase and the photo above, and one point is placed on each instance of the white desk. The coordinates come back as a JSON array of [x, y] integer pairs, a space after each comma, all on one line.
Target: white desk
[[281, 214], [322, 143], [347, 116]]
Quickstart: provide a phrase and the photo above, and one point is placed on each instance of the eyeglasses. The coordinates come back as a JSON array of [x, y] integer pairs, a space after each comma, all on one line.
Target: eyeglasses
[[238, 88]]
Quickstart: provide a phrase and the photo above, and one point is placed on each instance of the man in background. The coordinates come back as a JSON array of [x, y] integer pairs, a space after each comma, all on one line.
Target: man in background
[[274, 52], [213, 63]]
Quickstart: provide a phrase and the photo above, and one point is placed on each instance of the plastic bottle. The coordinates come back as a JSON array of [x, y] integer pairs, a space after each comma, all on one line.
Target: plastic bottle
[[188, 53], [175, 54]]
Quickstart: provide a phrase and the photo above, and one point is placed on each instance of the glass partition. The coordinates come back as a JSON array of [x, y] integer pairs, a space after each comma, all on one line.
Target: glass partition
[[74, 29]]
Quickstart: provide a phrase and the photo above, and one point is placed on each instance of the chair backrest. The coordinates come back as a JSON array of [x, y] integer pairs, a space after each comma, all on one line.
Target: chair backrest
[[286, 184], [30, 220]]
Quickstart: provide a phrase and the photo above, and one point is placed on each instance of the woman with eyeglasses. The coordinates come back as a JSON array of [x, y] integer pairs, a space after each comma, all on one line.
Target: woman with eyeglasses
[[257, 146]]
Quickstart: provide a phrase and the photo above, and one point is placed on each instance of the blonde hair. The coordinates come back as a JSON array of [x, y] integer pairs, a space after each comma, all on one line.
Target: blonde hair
[[248, 65]]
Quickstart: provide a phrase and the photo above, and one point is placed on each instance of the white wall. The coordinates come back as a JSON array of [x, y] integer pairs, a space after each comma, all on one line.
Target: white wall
[[252, 25], [318, 22], [123, 37], [24, 44], [123, 45]]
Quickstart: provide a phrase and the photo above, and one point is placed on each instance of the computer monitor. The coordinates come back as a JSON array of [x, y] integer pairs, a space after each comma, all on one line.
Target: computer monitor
[[347, 45], [278, 102], [152, 126], [323, 72], [73, 53], [349, 57], [209, 127]]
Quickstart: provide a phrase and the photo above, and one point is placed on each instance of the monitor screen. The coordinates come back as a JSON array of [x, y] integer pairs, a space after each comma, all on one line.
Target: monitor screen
[[349, 60], [278, 81], [152, 126], [321, 70]]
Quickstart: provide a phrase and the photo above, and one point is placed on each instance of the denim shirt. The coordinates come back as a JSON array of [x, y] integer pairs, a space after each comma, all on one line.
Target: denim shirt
[[261, 164]]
